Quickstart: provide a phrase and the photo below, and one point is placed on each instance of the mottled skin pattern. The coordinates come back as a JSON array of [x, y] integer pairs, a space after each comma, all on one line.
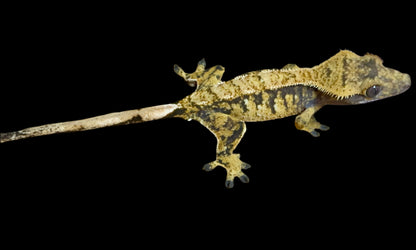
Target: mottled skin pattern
[[263, 95], [224, 107]]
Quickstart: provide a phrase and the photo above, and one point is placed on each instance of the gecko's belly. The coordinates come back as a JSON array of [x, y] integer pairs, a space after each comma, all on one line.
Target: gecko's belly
[[268, 104]]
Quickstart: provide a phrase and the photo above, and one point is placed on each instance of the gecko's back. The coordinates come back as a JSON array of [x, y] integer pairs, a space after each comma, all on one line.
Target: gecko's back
[[258, 95]]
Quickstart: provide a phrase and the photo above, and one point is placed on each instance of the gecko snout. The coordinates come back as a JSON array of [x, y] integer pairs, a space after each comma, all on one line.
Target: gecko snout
[[406, 82], [402, 84], [397, 84]]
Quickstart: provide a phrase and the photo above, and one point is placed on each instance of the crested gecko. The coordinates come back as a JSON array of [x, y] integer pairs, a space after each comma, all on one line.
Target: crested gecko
[[223, 107]]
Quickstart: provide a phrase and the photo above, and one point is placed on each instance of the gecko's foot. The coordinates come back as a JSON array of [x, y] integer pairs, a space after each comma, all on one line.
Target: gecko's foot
[[310, 126], [191, 79], [234, 167]]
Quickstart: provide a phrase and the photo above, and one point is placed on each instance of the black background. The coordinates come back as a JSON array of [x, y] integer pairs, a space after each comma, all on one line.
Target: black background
[[75, 61]]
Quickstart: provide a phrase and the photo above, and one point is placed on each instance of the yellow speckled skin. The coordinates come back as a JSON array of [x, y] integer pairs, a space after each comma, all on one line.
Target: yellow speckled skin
[[224, 107]]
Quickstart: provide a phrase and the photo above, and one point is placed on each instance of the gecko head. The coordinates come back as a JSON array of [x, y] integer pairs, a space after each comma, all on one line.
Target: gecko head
[[371, 80]]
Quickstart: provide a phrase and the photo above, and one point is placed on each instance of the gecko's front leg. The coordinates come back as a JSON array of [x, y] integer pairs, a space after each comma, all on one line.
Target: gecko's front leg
[[228, 132]]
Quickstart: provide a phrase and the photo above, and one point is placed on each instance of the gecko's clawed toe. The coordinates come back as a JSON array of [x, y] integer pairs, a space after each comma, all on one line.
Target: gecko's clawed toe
[[245, 165], [202, 63], [176, 68], [209, 166], [229, 183], [244, 178], [323, 127], [315, 133]]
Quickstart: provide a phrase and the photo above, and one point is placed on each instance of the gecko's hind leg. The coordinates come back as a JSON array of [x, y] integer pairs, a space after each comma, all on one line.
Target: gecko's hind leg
[[228, 132]]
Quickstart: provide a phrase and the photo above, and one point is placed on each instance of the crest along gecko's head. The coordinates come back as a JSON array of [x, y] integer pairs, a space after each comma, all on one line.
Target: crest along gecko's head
[[371, 79]]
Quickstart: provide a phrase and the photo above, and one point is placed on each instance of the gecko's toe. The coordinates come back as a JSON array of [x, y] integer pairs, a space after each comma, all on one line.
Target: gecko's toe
[[202, 62], [210, 166], [244, 178], [323, 127], [315, 133], [207, 167], [245, 165], [176, 68], [229, 183]]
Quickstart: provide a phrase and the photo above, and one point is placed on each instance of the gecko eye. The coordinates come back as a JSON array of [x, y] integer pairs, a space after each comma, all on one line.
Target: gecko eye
[[373, 91]]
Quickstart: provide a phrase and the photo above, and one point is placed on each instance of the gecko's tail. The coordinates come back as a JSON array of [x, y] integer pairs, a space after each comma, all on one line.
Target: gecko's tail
[[112, 119]]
